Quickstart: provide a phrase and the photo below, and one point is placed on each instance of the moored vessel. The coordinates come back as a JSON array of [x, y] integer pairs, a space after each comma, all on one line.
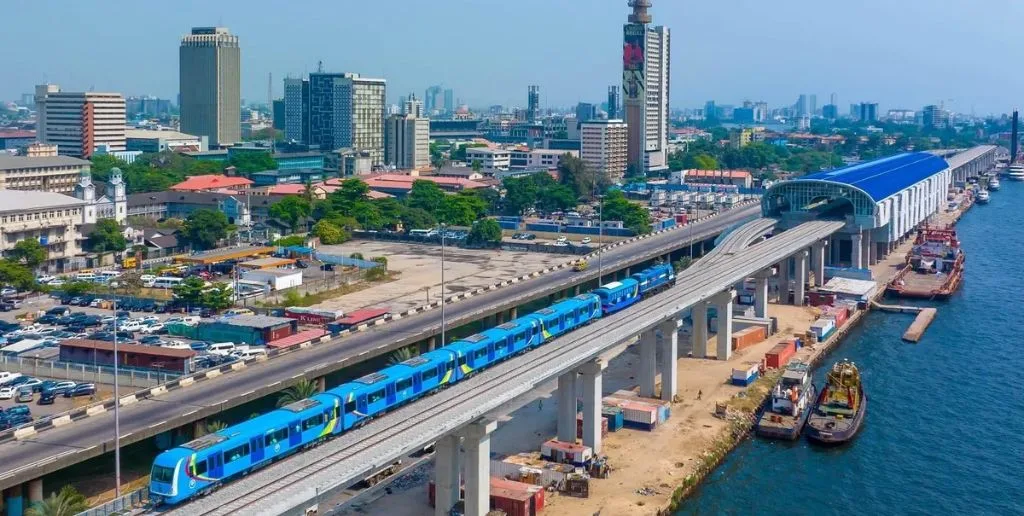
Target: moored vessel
[[839, 411], [789, 405], [934, 266], [993, 183], [983, 197]]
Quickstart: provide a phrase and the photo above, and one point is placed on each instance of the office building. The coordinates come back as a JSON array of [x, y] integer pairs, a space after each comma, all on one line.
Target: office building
[[490, 159], [209, 62], [433, 100], [146, 140], [78, 122], [761, 112], [526, 159], [855, 111], [585, 112], [413, 106], [710, 110], [277, 114], [346, 110], [646, 56], [407, 142], [830, 111], [147, 106], [802, 106], [449, 101], [743, 115], [532, 103], [52, 219], [57, 174], [935, 117], [614, 100], [14, 139], [603, 147], [812, 108], [868, 112], [296, 110]]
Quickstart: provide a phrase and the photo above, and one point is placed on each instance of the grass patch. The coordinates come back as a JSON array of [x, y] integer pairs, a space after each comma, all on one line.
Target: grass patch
[[310, 299], [755, 393]]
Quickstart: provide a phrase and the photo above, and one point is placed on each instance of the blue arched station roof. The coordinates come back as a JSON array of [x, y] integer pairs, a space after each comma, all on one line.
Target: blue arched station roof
[[884, 177]]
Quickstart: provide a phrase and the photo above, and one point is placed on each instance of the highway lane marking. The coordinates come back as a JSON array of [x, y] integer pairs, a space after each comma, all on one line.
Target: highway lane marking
[[154, 425], [247, 393]]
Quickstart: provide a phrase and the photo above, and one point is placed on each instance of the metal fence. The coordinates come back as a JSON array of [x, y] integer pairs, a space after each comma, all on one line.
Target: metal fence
[[85, 372], [345, 261], [123, 505]]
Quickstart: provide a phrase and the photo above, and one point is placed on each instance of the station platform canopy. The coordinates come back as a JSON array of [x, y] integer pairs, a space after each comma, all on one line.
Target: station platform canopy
[[222, 255], [882, 178]]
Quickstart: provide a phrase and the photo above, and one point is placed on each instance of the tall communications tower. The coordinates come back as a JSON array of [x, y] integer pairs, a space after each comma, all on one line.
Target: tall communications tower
[[645, 90]]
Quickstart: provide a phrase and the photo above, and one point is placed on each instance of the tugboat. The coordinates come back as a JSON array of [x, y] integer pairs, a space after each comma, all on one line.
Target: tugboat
[[839, 411], [790, 404]]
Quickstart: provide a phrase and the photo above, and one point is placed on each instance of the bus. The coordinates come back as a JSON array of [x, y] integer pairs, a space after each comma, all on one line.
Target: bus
[[166, 282], [107, 276]]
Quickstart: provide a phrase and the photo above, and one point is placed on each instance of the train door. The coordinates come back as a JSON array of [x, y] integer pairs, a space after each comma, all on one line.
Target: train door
[[295, 433], [361, 406], [490, 353], [215, 465], [256, 447], [391, 397], [417, 382]]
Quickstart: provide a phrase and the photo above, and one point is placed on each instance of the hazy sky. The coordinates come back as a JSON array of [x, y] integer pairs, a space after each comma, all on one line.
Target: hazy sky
[[900, 53]]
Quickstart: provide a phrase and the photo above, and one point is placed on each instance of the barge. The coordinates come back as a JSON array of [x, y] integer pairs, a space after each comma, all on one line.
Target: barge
[[789, 404], [839, 411], [934, 267]]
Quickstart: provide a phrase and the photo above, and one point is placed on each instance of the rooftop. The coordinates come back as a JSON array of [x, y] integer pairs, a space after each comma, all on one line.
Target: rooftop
[[21, 200], [138, 349], [486, 150], [255, 321], [211, 182], [732, 174], [16, 133], [884, 177], [279, 273], [21, 162], [150, 133]]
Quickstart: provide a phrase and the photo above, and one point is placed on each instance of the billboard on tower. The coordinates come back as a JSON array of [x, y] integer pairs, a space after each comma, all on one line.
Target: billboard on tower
[[634, 36]]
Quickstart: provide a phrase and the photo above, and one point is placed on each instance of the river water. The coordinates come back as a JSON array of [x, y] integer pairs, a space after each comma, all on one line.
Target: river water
[[943, 432]]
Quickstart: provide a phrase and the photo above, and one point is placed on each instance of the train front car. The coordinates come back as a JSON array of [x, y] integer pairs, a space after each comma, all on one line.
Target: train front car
[[168, 483], [655, 279]]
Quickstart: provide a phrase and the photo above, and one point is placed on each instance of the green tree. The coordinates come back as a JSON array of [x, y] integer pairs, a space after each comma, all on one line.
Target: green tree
[[267, 133], [302, 390], [141, 250], [291, 210], [107, 237], [484, 232], [289, 241], [77, 288], [204, 228], [681, 264], [557, 197], [633, 216], [249, 162], [367, 215], [401, 355], [130, 281], [190, 291], [520, 195], [390, 211], [16, 275], [426, 195], [348, 194], [375, 274], [477, 165], [29, 252], [210, 427], [574, 173], [417, 218], [461, 209], [217, 297], [67, 502], [101, 165], [356, 256], [330, 234]]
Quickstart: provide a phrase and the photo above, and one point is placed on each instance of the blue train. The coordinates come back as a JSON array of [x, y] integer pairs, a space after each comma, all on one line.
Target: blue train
[[200, 466]]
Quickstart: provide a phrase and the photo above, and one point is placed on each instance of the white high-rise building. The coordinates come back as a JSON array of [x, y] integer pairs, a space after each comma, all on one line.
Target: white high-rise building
[[408, 142], [603, 147], [413, 106], [79, 122], [645, 83]]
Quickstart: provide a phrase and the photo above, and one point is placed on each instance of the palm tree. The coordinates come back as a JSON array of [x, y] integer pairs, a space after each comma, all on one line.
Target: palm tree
[[297, 392], [67, 502], [215, 426], [401, 355]]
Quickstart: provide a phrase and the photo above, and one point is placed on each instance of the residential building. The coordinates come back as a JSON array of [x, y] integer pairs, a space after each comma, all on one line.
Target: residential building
[[490, 159], [614, 100], [78, 122], [211, 182], [935, 117], [646, 57], [16, 138], [179, 205], [41, 150], [710, 110], [413, 106], [348, 162], [399, 185], [532, 103], [53, 219], [522, 159], [407, 141], [210, 85], [296, 110], [458, 172], [56, 174], [868, 112], [147, 140], [761, 112], [603, 147], [347, 110], [739, 138]]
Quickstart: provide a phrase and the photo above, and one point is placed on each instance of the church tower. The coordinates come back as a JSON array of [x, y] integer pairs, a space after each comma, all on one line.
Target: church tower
[[86, 191], [116, 194]]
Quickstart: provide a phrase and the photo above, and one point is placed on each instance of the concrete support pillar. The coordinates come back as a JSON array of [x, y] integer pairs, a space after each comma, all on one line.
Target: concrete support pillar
[[477, 443], [669, 360], [818, 262], [648, 365], [855, 250], [321, 384], [783, 281], [576, 290], [567, 407], [872, 253], [14, 502], [590, 374], [35, 491], [431, 343], [499, 317], [800, 284], [865, 258], [761, 293], [446, 474], [513, 313], [699, 336], [723, 303], [629, 271]]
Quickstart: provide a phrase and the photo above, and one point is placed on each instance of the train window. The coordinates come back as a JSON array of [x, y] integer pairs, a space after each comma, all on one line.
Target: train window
[[374, 397], [236, 453], [462, 360], [350, 407], [480, 354], [429, 374], [312, 422], [275, 437], [200, 467], [402, 385]]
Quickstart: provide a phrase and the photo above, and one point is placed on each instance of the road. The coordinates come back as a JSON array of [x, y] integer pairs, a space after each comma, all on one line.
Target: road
[[58, 448]]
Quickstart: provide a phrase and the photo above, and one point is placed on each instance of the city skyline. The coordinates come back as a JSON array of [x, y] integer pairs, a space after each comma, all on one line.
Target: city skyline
[[724, 57]]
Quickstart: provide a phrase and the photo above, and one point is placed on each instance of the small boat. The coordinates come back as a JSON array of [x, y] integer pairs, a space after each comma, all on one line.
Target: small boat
[[993, 183], [1016, 172], [839, 411], [790, 404], [982, 197], [934, 267]]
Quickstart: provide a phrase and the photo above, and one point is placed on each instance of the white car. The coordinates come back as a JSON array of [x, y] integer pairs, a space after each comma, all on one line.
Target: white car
[[561, 244], [46, 279], [8, 292], [133, 325], [150, 319], [563, 240], [56, 283], [7, 393], [586, 240], [152, 328]]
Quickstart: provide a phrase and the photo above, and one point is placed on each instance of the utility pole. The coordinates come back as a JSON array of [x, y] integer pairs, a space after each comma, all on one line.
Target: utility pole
[[117, 416]]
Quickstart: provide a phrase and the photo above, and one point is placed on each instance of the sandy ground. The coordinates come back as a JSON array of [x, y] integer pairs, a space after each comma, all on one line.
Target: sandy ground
[[420, 268]]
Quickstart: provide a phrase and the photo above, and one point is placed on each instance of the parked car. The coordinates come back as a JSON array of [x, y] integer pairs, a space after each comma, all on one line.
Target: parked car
[[8, 291], [18, 410], [24, 395], [151, 340], [327, 267], [59, 311], [7, 393], [60, 388], [47, 397], [34, 384], [563, 240], [586, 240], [82, 389], [153, 329], [199, 345], [301, 264], [529, 236]]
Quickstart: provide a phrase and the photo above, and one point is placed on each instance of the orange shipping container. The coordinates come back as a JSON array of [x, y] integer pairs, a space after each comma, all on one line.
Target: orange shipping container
[[779, 355], [748, 337]]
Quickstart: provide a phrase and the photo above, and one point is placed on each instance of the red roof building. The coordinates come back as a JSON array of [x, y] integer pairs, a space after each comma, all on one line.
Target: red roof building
[[210, 182]]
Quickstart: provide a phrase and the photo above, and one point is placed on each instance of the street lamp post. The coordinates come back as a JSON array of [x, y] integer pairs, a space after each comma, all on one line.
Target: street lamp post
[[600, 238], [443, 320], [117, 417]]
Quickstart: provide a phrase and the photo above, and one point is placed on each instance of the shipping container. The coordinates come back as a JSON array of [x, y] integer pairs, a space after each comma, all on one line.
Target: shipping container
[[780, 354], [614, 417], [567, 453], [313, 315], [747, 337], [745, 375], [530, 469], [815, 298], [535, 491], [513, 503], [822, 327], [579, 426]]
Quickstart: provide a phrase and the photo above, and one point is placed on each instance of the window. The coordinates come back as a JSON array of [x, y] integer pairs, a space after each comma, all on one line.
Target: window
[[462, 360], [200, 467], [375, 396], [236, 453], [350, 407], [275, 436], [480, 354], [162, 474], [429, 374], [312, 422], [402, 385]]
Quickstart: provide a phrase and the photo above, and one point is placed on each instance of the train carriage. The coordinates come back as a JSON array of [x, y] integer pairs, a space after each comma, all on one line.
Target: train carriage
[[567, 315], [655, 279], [617, 295]]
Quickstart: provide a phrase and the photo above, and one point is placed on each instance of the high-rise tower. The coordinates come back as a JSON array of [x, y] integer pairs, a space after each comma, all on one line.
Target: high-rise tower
[[645, 84], [532, 103], [209, 76], [613, 102]]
